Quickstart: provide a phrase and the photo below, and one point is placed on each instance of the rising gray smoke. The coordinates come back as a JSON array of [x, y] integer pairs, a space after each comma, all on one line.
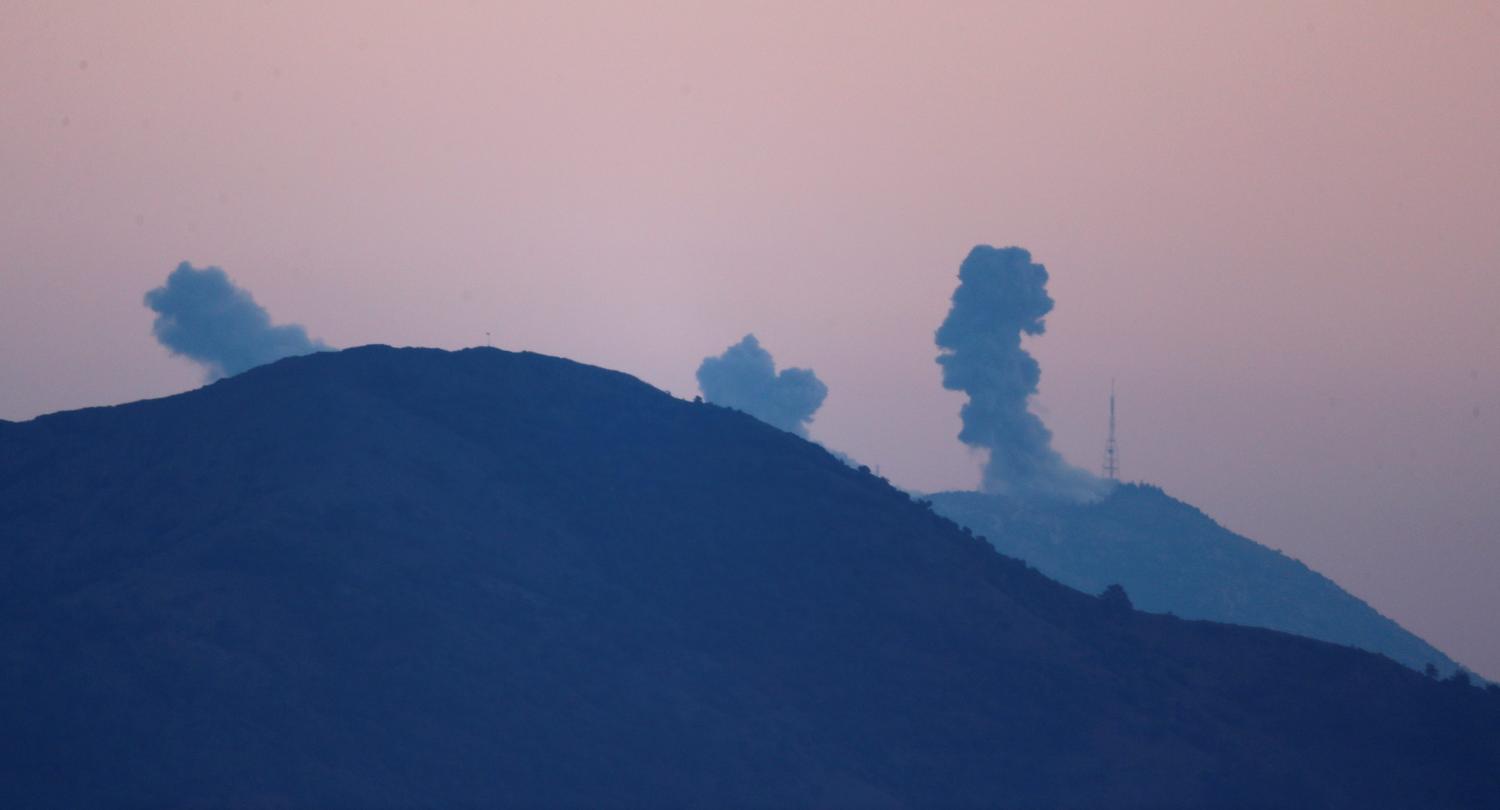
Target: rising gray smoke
[[203, 316], [1002, 295], [745, 377]]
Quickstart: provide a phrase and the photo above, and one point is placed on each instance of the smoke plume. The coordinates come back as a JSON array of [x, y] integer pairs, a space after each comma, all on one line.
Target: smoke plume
[[1001, 296], [745, 377], [203, 316]]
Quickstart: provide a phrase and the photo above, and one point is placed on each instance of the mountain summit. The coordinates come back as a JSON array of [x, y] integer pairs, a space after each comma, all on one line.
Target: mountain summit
[[409, 577]]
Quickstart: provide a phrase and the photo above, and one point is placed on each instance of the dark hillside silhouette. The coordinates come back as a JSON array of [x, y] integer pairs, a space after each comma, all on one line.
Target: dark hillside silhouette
[[401, 577]]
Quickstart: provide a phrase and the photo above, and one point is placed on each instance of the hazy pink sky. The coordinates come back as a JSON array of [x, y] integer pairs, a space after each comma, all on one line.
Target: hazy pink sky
[[1276, 225]]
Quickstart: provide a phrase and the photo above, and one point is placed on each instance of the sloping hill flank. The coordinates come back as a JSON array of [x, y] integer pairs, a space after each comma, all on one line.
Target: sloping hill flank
[[1173, 558], [416, 578]]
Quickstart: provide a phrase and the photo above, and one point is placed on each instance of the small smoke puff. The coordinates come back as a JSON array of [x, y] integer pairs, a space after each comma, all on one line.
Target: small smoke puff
[[1001, 296], [203, 316], [745, 377]]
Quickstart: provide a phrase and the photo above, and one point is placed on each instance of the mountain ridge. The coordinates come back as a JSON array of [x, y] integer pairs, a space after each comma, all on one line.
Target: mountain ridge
[[387, 577], [1173, 557]]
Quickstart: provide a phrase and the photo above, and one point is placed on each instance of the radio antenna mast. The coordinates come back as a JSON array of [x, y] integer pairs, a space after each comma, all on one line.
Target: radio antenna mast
[[1111, 453]]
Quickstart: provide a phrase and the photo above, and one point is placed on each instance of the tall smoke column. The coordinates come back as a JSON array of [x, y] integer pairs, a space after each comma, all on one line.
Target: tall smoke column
[[745, 377], [1001, 296], [203, 316]]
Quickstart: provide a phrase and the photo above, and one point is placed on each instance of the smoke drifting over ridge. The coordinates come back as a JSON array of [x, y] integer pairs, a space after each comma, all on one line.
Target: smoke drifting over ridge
[[1001, 296], [202, 315], [745, 377]]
